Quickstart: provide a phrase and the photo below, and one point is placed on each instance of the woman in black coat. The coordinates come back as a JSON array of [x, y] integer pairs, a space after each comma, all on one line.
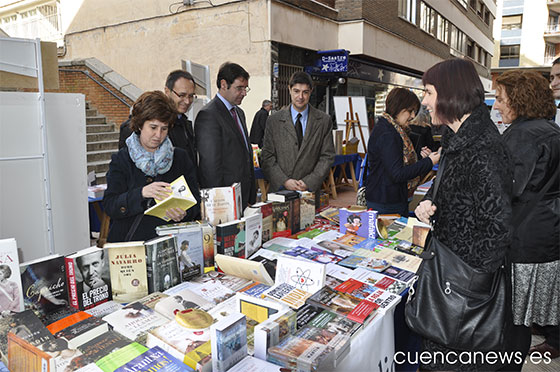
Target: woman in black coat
[[143, 170], [525, 100], [472, 208], [393, 166]]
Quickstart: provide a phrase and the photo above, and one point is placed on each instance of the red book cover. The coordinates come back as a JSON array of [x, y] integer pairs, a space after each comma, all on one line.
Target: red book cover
[[361, 312], [72, 289]]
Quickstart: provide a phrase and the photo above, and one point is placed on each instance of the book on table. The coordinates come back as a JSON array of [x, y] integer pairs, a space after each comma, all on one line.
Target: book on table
[[89, 282], [78, 328], [247, 269], [161, 263], [11, 292], [221, 204], [127, 266], [180, 197], [229, 342]]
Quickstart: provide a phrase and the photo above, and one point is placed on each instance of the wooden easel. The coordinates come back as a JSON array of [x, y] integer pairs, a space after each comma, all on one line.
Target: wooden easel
[[351, 122]]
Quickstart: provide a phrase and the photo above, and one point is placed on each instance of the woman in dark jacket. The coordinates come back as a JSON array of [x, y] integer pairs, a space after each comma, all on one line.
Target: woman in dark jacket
[[525, 100], [472, 207], [142, 171], [393, 168]]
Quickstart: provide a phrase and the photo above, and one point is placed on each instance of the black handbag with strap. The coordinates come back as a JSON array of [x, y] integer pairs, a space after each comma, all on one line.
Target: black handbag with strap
[[457, 305]]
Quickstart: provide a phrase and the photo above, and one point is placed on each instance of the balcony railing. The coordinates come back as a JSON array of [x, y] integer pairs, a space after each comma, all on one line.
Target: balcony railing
[[44, 27], [553, 28]]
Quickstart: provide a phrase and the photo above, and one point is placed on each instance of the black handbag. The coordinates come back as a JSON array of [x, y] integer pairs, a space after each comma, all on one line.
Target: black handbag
[[457, 305]]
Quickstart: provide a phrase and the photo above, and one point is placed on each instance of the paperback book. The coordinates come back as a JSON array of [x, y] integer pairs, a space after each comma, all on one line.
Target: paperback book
[[135, 320], [89, 282], [307, 210], [44, 285], [265, 209], [379, 280], [242, 268], [155, 359], [78, 329], [181, 197], [271, 331], [361, 223], [11, 294], [190, 251], [303, 274], [221, 204], [183, 300], [230, 238], [344, 304], [288, 295], [161, 263], [253, 233], [118, 358], [229, 342], [127, 266]]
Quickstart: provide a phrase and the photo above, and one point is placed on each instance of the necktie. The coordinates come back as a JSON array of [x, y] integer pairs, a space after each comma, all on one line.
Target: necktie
[[234, 114], [299, 130]]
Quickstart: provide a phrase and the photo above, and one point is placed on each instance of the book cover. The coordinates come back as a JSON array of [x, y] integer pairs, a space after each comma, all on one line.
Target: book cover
[[127, 267], [182, 300], [155, 359], [369, 244], [232, 282], [78, 328], [208, 246], [231, 239], [181, 197], [24, 357], [295, 210], [135, 320], [384, 300], [255, 289], [257, 309], [212, 291], [268, 258], [400, 274], [265, 209], [288, 295], [408, 248], [229, 342], [314, 254], [221, 204], [355, 261], [356, 288], [307, 313], [152, 299], [379, 280], [105, 308], [330, 214], [361, 223], [98, 347], [120, 357], [190, 251], [273, 330], [161, 263], [281, 218], [11, 292], [306, 210], [44, 285], [399, 259], [335, 323], [253, 233], [338, 342], [27, 326], [338, 302], [349, 240], [89, 282], [242, 268], [303, 274], [301, 354]]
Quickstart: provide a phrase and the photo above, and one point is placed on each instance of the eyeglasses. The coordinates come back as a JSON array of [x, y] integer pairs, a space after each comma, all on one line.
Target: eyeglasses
[[190, 97], [241, 89]]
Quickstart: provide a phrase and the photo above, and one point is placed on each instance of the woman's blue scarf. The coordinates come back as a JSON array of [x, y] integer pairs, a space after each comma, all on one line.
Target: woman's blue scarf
[[151, 163]]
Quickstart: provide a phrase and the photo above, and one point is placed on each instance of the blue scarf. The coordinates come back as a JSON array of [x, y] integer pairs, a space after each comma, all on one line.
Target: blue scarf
[[151, 163]]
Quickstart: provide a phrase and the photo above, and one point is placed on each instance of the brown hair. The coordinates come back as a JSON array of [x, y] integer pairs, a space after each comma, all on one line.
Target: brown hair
[[459, 89], [529, 94], [400, 99], [154, 105]]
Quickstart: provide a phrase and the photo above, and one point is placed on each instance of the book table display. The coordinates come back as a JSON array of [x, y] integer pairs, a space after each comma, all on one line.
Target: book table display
[[321, 299]]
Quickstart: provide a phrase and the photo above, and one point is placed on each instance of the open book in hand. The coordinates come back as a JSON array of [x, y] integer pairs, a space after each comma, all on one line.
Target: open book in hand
[[180, 197]]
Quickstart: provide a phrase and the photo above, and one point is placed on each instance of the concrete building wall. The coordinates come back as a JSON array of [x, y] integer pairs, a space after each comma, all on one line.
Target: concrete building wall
[[535, 19], [144, 42]]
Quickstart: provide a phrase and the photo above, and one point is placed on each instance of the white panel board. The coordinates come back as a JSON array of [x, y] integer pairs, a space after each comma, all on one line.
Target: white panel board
[[66, 134], [18, 56], [341, 107], [22, 197]]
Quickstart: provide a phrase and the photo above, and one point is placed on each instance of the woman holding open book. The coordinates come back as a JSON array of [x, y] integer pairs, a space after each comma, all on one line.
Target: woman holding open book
[[143, 170]]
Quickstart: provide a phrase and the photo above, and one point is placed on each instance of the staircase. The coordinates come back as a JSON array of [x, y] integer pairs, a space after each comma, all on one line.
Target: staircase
[[102, 140]]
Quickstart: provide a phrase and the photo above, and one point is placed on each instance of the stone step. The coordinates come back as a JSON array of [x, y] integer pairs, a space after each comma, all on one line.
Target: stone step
[[98, 166], [100, 128], [107, 136], [91, 112], [99, 155], [99, 119], [103, 145]]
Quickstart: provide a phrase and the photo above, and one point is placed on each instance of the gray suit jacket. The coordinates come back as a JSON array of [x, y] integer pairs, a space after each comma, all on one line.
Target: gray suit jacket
[[281, 158]]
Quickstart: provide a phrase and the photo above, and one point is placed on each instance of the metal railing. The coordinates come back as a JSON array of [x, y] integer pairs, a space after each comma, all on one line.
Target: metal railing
[[88, 74]]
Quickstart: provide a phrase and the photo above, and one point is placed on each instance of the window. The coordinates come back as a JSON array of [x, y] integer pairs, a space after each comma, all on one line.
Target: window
[[480, 9], [487, 17], [428, 19], [472, 3], [470, 49], [509, 52], [407, 10], [457, 41], [481, 55], [511, 22], [443, 29], [463, 3]]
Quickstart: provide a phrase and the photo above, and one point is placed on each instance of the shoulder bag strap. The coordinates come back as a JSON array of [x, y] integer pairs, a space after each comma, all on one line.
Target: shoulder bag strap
[[133, 227]]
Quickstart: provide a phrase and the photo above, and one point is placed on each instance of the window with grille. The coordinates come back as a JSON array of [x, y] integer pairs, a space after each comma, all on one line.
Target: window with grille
[[509, 52]]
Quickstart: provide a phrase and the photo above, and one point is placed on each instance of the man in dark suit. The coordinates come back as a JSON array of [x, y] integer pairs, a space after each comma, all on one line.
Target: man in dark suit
[[179, 87], [224, 151], [259, 123], [298, 145]]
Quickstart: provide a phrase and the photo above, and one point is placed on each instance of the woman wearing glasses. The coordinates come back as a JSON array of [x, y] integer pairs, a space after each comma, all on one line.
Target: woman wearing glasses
[[142, 171]]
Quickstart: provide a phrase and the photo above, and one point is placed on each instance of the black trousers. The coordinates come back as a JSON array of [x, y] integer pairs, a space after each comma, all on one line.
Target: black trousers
[[551, 334]]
